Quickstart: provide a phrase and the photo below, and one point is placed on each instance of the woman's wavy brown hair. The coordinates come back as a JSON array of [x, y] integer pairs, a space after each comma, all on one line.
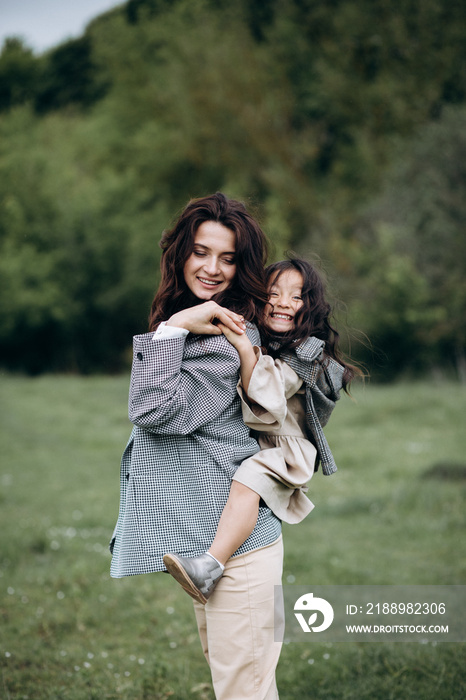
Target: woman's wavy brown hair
[[246, 294], [314, 318]]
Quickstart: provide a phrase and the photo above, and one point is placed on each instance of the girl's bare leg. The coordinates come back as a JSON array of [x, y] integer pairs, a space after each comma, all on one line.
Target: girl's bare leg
[[200, 575], [236, 523]]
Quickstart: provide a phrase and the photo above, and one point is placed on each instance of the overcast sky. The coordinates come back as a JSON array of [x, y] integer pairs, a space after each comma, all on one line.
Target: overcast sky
[[46, 23]]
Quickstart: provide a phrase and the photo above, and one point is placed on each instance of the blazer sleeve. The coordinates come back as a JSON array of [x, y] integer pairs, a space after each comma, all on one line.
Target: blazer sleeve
[[322, 375], [173, 394], [326, 391], [170, 395]]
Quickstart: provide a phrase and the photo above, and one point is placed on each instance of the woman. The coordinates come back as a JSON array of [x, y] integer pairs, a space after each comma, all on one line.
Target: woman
[[189, 438]]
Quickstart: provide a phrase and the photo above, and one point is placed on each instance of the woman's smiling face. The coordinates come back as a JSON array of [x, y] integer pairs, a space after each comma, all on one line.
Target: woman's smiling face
[[285, 300], [211, 267]]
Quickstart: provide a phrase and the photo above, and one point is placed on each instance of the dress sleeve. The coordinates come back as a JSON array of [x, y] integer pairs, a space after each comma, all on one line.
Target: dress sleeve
[[264, 406]]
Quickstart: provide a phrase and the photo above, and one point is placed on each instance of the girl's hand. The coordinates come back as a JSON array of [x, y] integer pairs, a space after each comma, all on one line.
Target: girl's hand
[[240, 342], [205, 319], [245, 350]]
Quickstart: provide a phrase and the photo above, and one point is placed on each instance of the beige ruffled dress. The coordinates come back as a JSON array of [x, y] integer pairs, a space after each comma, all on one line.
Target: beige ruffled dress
[[275, 408]]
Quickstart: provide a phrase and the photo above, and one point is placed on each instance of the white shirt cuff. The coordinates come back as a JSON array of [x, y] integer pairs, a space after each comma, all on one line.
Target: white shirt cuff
[[164, 331]]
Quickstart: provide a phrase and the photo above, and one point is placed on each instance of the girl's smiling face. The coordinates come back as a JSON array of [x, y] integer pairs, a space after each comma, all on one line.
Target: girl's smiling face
[[285, 300], [211, 267]]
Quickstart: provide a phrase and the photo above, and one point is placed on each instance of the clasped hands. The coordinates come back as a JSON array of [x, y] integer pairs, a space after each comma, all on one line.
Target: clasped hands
[[209, 319]]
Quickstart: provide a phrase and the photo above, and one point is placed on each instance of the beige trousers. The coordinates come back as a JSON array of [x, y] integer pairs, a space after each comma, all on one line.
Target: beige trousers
[[236, 626]]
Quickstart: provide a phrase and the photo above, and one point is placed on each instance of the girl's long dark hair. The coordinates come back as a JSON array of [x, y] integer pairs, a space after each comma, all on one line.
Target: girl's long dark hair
[[314, 318], [246, 294]]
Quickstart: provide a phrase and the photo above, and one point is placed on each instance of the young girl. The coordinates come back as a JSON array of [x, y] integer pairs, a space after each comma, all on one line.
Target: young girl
[[287, 396]]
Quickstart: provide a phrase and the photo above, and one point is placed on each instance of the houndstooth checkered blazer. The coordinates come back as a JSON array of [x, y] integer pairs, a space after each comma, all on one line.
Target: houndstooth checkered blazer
[[187, 442], [323, 378]]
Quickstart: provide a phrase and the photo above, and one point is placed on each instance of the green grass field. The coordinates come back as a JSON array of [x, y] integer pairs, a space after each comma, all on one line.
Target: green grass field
[[394, 513]]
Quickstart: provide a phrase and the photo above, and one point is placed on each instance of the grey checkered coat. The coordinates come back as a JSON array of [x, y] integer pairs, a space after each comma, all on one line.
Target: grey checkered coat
[[323, 379], [188, 440]]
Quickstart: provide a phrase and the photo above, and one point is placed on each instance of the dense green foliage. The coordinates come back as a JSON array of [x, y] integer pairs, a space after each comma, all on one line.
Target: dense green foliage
[[342, 123], [393, 514]]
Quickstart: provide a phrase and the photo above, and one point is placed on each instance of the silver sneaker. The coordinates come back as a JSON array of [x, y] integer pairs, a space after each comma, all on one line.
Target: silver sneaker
[[197, 575]]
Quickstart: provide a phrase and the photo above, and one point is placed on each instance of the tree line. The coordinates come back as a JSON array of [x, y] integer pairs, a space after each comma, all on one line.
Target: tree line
[[340, 122]]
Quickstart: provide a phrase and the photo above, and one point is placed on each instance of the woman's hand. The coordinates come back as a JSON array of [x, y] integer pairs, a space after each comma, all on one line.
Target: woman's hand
[[203, 319]]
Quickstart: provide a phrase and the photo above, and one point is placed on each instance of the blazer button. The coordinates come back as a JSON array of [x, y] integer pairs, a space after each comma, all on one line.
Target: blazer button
[[139, 355]]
